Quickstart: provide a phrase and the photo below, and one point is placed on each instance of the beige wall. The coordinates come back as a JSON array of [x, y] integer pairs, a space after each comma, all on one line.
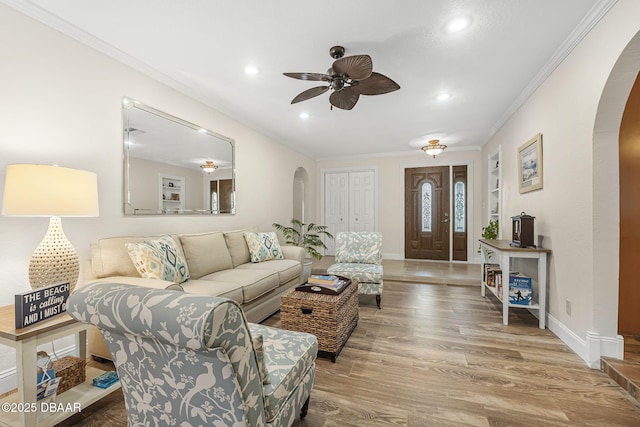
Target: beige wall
[[390, 179], [564, 109], [61, 104]]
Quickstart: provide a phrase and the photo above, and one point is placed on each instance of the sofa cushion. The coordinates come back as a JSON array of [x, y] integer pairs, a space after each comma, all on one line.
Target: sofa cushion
[[287, 269], [289, 355], [254, 283], [159, 259], [109, 256], [237, 246], [216, 288], [206, 253], [141, 281], [263, 246]]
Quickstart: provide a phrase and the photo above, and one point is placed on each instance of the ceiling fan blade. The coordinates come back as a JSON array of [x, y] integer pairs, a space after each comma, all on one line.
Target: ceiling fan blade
[[377, 84], [318, 77], [356, 67], [345, 99], [310, 93]]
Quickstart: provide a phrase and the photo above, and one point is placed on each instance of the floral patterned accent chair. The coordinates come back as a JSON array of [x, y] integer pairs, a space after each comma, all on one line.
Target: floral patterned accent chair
[[186, 359], [359, 256]]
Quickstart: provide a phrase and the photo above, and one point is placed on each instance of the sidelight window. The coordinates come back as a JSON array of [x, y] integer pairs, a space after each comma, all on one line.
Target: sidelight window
[[427, 193], [459, 207]]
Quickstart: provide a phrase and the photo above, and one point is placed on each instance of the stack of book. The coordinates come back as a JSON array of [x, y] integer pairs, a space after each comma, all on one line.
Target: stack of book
[[324, 284]]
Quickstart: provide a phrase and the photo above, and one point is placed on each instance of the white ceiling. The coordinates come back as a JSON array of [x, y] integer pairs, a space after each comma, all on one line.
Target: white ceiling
[[202, 47]]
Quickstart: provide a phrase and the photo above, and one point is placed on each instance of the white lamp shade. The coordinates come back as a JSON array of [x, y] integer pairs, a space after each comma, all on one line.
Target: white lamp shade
[[43, 190]]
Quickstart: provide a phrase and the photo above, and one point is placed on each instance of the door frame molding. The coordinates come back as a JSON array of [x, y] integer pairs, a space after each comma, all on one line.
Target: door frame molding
[[374, 169], [470, 206]]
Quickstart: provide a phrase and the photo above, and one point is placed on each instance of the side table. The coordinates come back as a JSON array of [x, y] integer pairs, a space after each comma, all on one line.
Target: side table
[[26, 341], [504, 253]]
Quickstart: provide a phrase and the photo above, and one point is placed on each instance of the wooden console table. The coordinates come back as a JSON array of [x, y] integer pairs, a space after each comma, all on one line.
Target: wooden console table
[[26, 342], [503, 252]]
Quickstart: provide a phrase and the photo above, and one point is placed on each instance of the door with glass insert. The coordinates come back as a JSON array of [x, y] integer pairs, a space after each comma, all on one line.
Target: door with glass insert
[[431, 231]]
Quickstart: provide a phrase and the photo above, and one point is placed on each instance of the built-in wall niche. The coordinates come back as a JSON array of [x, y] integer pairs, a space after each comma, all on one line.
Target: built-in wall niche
[[163, 155]]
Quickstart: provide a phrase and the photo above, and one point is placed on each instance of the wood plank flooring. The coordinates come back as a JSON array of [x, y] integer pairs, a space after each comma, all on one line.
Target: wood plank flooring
[[438, 355]]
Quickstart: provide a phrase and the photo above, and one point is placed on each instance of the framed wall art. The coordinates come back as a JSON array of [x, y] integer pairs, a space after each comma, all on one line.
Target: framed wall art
[[530, 165]]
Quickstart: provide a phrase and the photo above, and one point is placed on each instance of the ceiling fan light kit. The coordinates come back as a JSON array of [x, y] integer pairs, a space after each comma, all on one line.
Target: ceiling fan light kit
[[434, 148], [347, 79]]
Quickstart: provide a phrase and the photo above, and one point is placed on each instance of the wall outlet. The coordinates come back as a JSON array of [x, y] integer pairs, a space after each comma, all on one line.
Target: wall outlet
[[568, 303]]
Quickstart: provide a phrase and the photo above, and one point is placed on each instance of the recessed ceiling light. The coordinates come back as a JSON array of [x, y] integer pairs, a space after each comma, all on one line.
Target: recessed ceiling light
[[443, 96], [304, 116], [458, 24], [251, 70]]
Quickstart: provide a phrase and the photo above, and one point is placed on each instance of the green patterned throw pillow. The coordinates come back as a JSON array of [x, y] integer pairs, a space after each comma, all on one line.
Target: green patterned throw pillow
[[263, 246], [159, 259]]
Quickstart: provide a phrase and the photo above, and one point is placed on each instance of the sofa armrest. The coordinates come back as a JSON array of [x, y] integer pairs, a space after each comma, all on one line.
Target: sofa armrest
[[293, 252], [140, 281]]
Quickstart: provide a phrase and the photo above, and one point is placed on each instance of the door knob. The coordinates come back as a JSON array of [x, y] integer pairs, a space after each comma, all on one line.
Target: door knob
[[445, 220]]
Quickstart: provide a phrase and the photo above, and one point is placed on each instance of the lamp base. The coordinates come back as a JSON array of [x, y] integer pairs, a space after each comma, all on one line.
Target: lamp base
[[55, 260]]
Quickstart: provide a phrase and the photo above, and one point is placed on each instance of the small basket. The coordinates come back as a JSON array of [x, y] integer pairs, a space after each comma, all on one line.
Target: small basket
[[71, 371]]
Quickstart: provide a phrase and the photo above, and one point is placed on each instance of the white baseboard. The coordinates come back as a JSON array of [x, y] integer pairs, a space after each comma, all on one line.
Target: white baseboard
[[590, 349], [392, 256], [9, 378]]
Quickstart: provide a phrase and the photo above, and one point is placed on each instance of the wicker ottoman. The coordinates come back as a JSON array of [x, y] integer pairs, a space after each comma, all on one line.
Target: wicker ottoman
[[331, 318]]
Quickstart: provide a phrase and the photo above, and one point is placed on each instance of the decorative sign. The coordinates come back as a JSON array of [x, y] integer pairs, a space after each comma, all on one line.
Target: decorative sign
[[41, 304]]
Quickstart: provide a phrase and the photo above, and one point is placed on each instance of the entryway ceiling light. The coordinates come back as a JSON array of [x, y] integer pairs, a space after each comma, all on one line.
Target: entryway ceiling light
[[434, 148], [208, 167]]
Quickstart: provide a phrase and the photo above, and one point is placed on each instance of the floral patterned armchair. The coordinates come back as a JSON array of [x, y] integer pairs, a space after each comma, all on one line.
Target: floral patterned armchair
[[359, 256], [187, 359]]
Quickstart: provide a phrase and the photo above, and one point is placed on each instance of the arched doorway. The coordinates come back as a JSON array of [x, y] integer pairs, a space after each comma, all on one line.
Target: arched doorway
[[606, 192]]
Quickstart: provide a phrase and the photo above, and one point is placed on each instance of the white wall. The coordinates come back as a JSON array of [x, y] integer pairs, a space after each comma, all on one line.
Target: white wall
[[60, 103], [564, 110], [390, 171]]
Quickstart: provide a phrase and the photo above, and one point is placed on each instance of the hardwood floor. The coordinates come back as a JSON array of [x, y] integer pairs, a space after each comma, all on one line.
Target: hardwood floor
[[438, 355]]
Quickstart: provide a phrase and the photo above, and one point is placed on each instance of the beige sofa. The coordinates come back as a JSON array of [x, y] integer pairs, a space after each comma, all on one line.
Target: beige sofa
[[219, 265]]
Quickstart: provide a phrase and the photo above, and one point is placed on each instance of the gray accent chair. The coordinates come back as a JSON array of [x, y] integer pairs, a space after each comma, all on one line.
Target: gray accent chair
[[186, 359], [359, 256]]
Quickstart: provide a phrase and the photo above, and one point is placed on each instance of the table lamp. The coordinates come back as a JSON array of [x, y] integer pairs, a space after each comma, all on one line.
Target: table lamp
[[51, 191]]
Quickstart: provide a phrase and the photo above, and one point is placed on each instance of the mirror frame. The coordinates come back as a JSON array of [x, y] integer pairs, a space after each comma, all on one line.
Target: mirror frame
[[129, 210]]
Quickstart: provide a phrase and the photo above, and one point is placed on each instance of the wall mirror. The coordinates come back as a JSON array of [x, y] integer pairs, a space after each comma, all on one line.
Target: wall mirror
[[173, 167]]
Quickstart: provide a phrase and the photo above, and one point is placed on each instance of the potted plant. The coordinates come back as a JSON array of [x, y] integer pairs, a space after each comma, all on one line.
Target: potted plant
[[307, 236], [490, 232]]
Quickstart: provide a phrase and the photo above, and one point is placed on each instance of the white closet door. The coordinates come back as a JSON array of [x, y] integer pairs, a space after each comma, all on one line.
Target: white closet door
[[336, 209], [349, 202], [361, 201]]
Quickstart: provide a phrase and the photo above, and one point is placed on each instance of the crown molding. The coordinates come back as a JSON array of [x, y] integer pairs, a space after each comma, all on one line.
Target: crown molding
[[597, 12]]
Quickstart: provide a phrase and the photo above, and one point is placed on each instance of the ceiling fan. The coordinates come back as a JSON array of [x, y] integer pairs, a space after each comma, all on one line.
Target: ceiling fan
[[348, 78]]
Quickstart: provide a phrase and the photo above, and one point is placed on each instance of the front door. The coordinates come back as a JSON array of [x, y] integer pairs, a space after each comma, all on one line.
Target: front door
[[427, 214]]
